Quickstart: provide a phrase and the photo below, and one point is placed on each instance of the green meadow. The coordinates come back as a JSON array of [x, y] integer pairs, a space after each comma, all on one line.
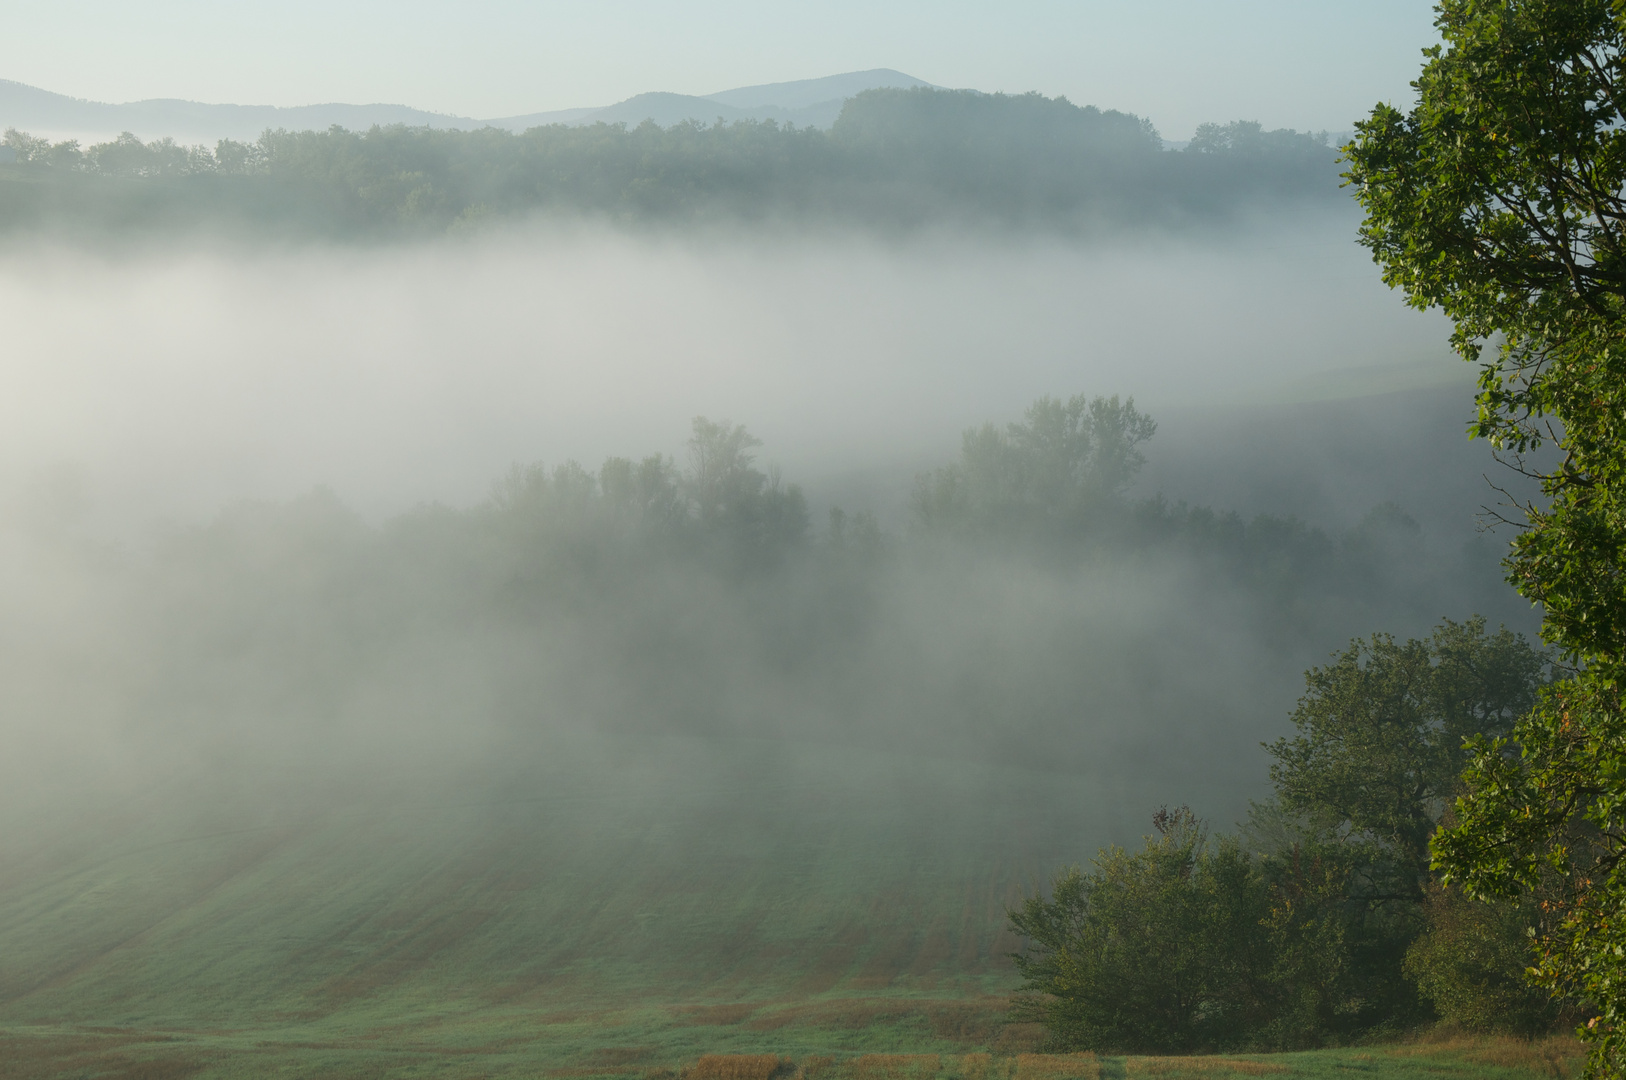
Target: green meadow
[[829, 911], [848, 904]]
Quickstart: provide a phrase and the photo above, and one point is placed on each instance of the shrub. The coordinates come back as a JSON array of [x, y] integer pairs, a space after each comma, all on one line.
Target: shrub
[[1162, 950], [1471, 963]]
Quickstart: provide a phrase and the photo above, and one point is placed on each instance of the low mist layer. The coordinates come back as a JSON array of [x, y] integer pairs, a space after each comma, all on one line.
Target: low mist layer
[[173, 382], [346, 710]]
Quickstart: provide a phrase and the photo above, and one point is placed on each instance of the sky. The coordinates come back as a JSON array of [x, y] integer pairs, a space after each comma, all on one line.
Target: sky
[[1306, 64]]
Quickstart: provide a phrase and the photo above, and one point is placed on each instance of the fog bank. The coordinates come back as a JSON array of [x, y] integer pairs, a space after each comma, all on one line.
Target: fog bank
[[172, 382]]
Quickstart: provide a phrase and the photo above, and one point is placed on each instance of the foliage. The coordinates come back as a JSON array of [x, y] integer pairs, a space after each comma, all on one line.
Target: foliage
[[1250, 137], [1059, 483], [1063, 462], [1471, 963], [1299, 931], [1499, 199], [1543, 824], [948, 127], [1319, 991], [721, 501], [694, 595], [1162, 950], [1380, 739], [1371, 773], [729, 494]]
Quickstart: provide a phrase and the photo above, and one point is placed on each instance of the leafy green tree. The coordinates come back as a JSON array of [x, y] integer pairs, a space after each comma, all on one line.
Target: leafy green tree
[[1380, 744], [1164, 950], [754, 510], [1371, 771], [26, 147], [1051, 471], [1501, 199], [127, 157], [1318, 992], [648, 492], [720, 473], [1296, 933], [1250, 137], [1471, 963]]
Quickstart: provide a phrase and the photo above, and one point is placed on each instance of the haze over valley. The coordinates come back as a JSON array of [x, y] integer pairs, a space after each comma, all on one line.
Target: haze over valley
[[566, 585]]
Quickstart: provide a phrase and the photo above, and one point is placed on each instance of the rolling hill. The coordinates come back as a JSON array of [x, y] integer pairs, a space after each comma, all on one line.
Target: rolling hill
[[807, 102], [752, 894]]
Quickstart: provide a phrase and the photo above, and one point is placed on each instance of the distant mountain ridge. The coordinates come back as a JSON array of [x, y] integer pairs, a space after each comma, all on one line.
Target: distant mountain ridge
[[58, 115], [806, 103]]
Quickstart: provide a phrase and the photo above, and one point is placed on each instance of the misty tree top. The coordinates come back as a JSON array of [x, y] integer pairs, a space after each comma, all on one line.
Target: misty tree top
[[899, 158]]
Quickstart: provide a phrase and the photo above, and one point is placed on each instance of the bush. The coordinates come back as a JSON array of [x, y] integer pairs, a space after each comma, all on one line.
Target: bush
[[1159, 951], [1471, 963]]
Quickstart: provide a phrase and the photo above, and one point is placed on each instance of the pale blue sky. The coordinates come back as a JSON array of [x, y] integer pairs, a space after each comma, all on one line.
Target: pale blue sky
[[1288, 63]]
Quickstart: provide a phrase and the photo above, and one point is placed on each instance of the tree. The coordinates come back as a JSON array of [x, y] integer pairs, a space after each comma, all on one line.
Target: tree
[[1296, 933], [26, 147], [1162, 950], [1049, 471], [1471, 961], [1250, 136], [1501, 199], [1379, 750], [1360, 788], [752, 510]]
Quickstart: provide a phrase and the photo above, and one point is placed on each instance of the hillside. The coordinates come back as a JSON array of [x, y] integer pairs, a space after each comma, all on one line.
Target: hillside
[[804, 102], [803, 902], [790, 883], [61, 116]]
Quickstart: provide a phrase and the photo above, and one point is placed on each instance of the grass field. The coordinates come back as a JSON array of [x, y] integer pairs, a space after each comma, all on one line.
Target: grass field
[[821, 913], [511, 1051]]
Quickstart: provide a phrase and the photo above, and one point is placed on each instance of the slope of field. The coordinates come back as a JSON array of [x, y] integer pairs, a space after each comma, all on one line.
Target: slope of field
[[678, 894]]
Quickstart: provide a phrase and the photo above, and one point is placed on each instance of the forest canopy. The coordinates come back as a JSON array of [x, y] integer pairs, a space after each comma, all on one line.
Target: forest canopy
[[900, 158]]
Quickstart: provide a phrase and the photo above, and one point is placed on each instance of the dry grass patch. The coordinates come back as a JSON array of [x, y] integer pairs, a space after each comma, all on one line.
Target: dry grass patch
[[980, 1067], [892, 1067], [1057, 1067], [737, 1067], [1200, 1066], [1557, 1056]]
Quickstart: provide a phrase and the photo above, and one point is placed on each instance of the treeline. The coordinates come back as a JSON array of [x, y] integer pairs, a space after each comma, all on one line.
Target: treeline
[[1321, 921], [900, 158], [1032, 607], [1056, 485]]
